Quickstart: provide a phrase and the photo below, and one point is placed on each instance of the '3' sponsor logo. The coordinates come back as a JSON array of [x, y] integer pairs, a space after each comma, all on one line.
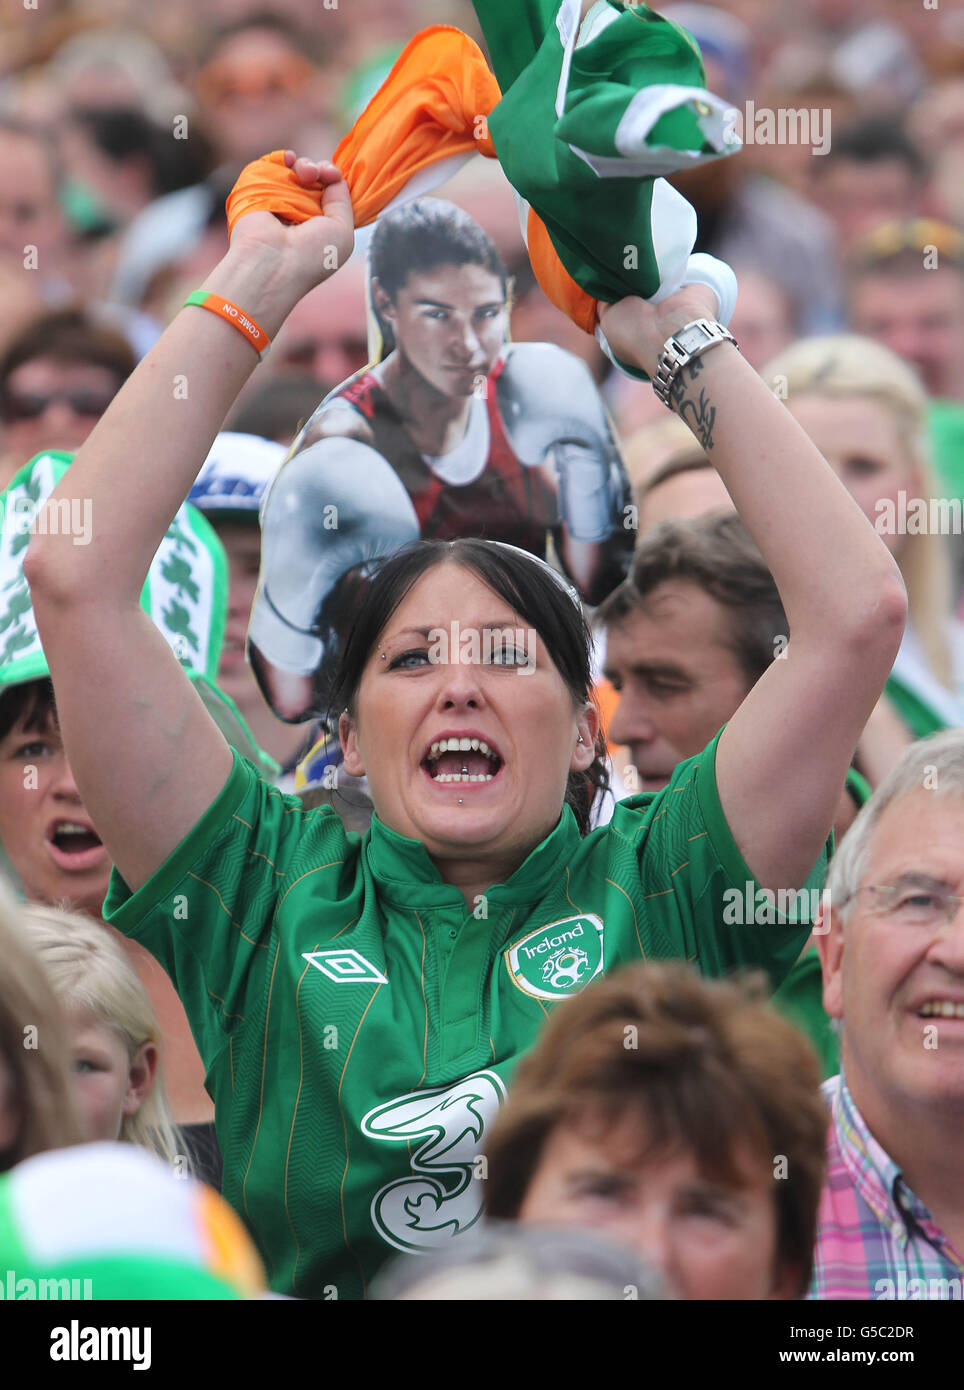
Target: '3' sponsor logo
[[438, 1200]]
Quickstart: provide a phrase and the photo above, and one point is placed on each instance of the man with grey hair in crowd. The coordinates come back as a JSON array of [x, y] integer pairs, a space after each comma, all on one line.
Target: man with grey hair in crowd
[[891, 1222]]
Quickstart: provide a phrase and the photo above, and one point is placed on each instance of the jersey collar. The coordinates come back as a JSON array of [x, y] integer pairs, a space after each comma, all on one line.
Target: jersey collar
[[404, 871]]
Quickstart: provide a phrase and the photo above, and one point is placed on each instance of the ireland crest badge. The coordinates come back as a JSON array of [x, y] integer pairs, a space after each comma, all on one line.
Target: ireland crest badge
[[557, 960]]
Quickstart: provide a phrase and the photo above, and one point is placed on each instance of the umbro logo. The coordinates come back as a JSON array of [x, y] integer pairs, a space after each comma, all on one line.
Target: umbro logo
[[345, 967]]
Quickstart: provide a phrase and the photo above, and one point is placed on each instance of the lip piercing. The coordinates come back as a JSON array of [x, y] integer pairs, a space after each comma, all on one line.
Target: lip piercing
[[581, 739], [460, 801]]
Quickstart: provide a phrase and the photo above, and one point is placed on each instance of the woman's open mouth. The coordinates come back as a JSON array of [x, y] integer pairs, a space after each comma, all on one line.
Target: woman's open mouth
[[75, 846], [461, 760]]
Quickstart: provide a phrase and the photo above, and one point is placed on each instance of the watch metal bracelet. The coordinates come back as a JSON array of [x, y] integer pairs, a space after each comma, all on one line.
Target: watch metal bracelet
[[691, 341]]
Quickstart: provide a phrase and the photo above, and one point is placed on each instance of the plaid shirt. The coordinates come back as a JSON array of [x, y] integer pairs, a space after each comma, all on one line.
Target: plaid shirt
[[875, 1239]]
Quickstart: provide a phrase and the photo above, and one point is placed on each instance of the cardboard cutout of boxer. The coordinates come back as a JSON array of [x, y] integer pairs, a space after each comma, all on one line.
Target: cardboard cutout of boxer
[[454, 431]]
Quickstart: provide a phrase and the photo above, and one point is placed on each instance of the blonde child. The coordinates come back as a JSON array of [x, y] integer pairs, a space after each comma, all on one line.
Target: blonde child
[[113, 1032], [36, 1105]]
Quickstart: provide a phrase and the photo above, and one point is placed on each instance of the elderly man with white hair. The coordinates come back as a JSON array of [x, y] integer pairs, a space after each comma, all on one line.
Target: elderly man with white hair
[[891, 1221]]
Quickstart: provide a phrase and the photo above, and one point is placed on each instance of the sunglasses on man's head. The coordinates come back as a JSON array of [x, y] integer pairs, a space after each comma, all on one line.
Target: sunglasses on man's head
[[30, 405], [921, 234]]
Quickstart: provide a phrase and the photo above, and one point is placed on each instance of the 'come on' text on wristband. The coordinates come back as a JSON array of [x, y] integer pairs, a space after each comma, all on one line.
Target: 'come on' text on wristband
[[256, 336]]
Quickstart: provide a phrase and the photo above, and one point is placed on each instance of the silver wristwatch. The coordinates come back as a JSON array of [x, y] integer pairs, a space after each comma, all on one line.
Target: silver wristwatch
[[691, 341]]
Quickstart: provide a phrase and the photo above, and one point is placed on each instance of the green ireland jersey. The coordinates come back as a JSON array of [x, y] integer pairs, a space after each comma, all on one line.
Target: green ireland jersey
[[359, 1025], [800, 997]]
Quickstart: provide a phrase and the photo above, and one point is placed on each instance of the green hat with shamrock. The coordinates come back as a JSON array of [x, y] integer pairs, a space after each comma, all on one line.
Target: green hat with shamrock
[[185, 592]]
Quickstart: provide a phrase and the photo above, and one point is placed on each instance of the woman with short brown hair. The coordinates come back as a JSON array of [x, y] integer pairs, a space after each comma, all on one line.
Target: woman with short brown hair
[[675, 1114]]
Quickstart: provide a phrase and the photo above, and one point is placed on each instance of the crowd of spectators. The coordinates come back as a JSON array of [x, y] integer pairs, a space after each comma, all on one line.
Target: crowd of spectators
[[122, 129]]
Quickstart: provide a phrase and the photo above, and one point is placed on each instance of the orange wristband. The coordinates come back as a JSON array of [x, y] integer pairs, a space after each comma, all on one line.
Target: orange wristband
[[255, 335]]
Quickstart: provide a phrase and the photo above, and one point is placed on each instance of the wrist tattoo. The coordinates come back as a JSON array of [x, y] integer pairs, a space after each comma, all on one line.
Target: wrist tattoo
[[696, 412]]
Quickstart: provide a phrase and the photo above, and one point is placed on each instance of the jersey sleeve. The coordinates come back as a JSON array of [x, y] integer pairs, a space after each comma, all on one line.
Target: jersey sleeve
[[207, 914], [696, 885], [800, 999]]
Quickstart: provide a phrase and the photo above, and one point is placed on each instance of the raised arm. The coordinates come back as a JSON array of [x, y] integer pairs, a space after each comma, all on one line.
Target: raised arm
[[783, 757], [147, 758]]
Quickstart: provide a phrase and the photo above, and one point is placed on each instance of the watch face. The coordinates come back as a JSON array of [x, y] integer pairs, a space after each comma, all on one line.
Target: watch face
[[692, 337]]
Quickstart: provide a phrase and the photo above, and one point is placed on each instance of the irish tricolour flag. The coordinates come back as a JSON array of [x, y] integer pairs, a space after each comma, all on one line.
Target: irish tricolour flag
[[586, 114]]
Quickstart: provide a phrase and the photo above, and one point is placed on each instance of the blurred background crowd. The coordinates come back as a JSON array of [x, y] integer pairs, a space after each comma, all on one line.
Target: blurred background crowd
[[123, 126]]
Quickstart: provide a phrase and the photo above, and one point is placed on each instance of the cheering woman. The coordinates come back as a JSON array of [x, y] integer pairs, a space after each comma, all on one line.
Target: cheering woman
[[360, 1003]]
